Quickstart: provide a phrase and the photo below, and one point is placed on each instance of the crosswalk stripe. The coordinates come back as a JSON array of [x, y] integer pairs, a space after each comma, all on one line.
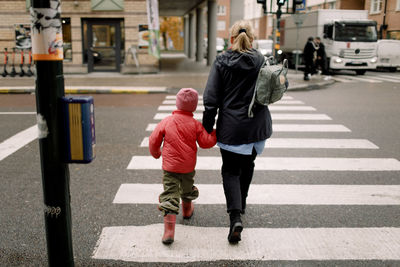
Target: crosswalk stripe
[[342, 80], [17, 141], [288, 102], [285, 97], [18, 113], [309, 128], [386, 79], [143, 244], [281, 102], [272, 108], [293, 127], [273, 194], [360, 79], [308, 143], [391, 77], [174, 97], [275, 116], [283, 164]]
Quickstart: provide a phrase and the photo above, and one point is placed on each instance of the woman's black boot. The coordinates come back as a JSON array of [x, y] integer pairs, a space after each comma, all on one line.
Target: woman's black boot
[[236, 227]]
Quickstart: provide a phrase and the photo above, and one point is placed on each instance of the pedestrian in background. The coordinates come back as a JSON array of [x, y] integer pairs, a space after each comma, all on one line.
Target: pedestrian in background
[[178, 134], [321, 62], [228, 92], [309, 56]]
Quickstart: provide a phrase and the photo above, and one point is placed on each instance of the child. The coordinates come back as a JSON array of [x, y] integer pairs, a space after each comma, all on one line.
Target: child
[[179, 133]]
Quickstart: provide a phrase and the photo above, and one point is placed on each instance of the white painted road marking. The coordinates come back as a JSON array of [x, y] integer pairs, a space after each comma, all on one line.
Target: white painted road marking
[[342, 80], [274, 194], [18, 113], [359, 79], [17, 141], [386, 79], [285, 97], [310, 128], [271, 108], [275, 116], [283, 164], [293, 127], [143, 244], [280, 102], [308, 143], [391, 77]]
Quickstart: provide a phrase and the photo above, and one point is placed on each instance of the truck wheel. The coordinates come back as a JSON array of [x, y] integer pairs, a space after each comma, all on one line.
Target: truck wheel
[[361, 72]]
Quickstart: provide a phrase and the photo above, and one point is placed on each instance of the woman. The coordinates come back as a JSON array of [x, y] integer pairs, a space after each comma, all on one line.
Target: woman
[[229, 91]]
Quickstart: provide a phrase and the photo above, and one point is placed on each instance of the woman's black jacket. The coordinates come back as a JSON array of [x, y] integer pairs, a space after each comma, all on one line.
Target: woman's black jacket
[[229, 91]]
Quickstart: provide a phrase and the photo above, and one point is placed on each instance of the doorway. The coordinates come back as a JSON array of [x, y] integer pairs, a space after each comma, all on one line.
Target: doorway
[[103, 45]]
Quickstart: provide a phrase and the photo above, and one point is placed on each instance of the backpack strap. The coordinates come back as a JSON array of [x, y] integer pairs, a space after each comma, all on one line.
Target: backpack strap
[[250, 112], [253, 99]]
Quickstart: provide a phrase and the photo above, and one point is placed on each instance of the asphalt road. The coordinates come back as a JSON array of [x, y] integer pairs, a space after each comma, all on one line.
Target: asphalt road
[[369, 110]]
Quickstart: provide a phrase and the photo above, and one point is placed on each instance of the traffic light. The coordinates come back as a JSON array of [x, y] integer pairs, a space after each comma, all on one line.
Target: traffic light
[[280, 2]]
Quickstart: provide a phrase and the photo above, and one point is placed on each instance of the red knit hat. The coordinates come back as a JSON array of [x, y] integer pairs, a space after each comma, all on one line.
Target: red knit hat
[[186, 99]]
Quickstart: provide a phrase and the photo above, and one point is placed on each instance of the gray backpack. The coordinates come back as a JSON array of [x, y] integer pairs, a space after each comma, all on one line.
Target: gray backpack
[[271, 84]]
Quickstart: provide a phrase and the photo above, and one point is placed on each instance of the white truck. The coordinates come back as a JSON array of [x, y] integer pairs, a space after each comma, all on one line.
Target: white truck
[[350, 39]]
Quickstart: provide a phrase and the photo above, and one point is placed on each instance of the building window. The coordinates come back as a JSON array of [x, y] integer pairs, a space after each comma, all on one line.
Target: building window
[[332, 5], [394, 35], [221, 25], [221, 11], [67, 42], [376, 6], [398, 5]]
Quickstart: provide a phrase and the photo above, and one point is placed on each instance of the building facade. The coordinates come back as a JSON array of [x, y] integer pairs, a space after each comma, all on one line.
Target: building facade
[[387, 14], [98, 35], [223, 18]]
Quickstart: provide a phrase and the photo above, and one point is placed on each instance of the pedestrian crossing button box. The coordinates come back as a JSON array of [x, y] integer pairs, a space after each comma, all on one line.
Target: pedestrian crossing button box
[[80, 139]]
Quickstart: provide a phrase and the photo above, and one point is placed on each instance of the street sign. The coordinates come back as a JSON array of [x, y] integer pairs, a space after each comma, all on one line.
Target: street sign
[[302, 6]]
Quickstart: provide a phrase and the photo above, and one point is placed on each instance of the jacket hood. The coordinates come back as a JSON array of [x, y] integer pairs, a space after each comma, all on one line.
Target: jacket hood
[[244, 61]]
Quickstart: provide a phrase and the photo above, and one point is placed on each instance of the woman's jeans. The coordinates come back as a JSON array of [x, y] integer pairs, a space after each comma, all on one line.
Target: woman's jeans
[[237, 173]]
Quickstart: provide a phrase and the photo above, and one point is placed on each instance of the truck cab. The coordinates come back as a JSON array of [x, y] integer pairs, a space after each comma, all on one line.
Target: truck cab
[[350, 38], [351, 44]]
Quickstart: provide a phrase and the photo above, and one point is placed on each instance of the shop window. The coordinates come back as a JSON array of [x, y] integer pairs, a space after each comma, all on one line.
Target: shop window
[[67, 38], [104, 36], [376, 6]]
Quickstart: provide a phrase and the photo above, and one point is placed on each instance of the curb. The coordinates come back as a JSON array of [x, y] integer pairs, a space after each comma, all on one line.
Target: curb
[[311, 86], [142, 89], [91, 90]]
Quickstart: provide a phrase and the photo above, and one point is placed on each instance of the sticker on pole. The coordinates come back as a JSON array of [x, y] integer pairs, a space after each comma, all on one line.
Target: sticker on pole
[[47, 43]]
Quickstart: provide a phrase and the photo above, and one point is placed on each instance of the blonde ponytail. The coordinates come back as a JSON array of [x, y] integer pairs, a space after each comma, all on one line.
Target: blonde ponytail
[[243, 36]]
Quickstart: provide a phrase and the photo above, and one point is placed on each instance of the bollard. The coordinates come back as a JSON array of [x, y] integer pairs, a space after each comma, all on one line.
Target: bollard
[[21, 65], [29, 72], [5, 73], [13, 72]]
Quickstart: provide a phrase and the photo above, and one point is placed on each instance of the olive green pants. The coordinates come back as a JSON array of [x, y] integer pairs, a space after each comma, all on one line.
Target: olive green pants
[[177, 186]]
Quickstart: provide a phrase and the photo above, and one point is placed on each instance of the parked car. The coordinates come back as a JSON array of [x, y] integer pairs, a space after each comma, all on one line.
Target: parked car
[[388, 52], [264, 46]]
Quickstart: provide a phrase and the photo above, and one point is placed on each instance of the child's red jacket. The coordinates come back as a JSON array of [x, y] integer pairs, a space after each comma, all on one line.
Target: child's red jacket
[[179, 133]]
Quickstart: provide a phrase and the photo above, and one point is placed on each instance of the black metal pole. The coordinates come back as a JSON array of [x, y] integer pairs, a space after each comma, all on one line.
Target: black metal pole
[[383, 26], [48, 56]]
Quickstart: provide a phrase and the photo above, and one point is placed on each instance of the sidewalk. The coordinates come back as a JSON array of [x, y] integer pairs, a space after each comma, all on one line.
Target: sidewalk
[[177, 72]]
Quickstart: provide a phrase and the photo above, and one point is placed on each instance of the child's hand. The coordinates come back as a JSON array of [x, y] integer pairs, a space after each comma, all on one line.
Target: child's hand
[[207, 140]]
